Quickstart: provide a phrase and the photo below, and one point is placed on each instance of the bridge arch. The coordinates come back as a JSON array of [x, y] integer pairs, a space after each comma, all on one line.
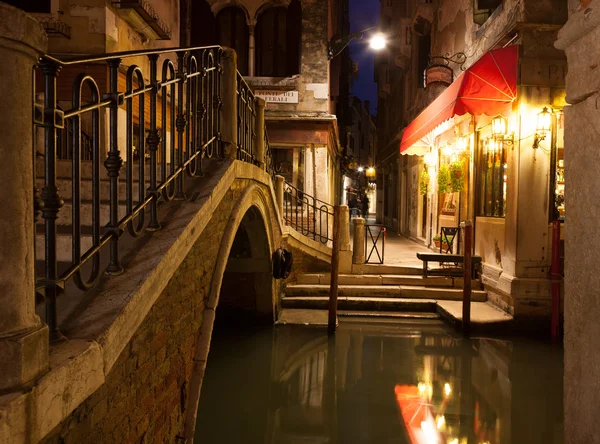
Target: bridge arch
[[253, 225]]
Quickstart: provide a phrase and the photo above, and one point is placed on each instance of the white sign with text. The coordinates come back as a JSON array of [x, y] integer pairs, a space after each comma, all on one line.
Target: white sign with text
[[275, 96]]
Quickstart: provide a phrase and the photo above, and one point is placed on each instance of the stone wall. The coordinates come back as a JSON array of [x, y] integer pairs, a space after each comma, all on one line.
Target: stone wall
[[145, 397]]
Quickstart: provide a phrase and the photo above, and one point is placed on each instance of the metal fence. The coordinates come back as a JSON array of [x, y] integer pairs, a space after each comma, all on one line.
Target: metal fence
[[309, 216], [183, 99]]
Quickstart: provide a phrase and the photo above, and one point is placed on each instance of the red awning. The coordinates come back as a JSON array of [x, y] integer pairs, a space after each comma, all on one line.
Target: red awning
[[488, 87]]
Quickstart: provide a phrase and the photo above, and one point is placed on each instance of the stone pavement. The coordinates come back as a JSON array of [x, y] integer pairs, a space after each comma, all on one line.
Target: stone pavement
[[398, 249]]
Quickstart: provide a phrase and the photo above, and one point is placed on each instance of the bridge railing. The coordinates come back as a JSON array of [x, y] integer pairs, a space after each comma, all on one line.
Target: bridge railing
[[170, 103], [308, 215]]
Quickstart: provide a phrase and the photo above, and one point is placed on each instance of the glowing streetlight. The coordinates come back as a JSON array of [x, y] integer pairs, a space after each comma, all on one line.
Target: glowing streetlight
[[377, 42], [360, 169]]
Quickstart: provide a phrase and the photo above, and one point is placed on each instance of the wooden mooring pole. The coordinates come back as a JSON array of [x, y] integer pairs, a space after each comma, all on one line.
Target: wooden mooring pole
[[467, 273], [335, 265]]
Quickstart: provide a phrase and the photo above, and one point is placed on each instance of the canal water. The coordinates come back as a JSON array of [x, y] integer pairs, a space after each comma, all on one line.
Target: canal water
[[378, 382]]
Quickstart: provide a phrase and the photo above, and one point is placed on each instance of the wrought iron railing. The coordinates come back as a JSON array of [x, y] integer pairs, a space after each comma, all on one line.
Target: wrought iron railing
[[186, 89], [269, 163], [246, 121], [308, 215]]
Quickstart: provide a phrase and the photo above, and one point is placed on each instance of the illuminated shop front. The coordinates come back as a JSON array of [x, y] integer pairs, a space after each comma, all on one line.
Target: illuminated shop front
[[492, 150]]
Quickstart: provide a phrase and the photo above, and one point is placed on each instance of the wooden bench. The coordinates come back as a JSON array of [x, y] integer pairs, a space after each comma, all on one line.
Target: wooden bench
[[447, 259]]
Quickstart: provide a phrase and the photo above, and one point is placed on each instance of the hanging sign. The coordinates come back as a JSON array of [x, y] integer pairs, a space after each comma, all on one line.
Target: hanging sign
[[438, 74], [277, 96]]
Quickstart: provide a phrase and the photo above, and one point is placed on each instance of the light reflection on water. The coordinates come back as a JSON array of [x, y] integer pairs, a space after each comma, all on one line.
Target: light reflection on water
[[378, 382]]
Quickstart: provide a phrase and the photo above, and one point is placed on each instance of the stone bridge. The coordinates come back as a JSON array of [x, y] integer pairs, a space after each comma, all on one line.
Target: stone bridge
[[126, 357]]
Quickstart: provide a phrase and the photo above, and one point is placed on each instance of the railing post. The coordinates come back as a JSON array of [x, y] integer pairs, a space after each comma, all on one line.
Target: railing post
[[229, 90], [358, 248], [279, 183], [23, 337], [153, 141], [180, 125], [260, 132], [468, 268], [113, 164]]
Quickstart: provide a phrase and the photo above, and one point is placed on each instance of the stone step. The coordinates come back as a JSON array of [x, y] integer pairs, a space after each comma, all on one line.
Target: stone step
[[361, 304], [65, 216], [388, 269], [385, 279], [381, 291], [64, 169], [65, 188], [63, 246], [389, 314]]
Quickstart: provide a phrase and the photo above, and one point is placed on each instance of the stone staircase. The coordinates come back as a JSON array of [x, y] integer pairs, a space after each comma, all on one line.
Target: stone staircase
[[64, 183], [384, 290]]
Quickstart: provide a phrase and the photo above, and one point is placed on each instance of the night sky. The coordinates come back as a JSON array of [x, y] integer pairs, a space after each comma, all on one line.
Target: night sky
[[363, 14]]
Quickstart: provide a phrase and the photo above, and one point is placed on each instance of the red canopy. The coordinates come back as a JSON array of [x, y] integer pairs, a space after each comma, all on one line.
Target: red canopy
[[488, 87]]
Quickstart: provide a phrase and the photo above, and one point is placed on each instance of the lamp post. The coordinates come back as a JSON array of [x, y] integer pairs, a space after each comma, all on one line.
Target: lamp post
[[377, 42]]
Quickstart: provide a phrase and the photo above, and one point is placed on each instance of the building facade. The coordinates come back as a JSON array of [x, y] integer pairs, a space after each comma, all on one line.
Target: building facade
[[453, 68], [282, 54]]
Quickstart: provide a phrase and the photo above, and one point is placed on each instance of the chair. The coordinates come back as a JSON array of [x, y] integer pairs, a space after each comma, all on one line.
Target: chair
[[448, 234]]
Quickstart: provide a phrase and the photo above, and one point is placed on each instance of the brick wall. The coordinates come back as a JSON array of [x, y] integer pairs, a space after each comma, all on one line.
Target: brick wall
[[145, 395]]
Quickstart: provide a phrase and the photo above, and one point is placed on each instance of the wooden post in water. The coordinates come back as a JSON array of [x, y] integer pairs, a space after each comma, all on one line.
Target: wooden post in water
[[335, 265], [467, 273]]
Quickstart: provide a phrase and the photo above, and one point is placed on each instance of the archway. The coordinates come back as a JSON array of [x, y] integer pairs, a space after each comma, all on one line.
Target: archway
[[246, 288]]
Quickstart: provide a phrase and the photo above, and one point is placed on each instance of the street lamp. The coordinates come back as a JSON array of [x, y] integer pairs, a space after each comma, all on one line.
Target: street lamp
[[377, 42]]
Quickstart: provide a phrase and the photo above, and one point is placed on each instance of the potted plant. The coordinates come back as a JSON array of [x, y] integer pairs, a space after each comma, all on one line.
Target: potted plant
[[436, 241], [424, 182], [447, 240], [443, 179], [456, 176]]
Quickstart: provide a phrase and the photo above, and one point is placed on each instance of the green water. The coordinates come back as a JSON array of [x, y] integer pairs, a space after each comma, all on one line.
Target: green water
[[378, 382]]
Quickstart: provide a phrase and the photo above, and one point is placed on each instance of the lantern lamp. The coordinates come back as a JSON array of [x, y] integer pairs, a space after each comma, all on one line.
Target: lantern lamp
[[499, 127], [544, 124]]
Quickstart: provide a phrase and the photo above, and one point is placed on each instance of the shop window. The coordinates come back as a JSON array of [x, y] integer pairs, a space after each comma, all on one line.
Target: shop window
[[232, 31], [492, 168], [483, 9], [278, 40], [557, 190], [40, 6], [423, 59]]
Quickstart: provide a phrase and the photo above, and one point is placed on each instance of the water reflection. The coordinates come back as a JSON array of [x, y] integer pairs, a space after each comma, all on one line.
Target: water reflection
[[379, 383]]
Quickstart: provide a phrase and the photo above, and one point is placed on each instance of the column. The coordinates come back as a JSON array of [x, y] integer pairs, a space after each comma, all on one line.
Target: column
[[23, 337], [251, 49], [260, 132], [279, 183], [358, 250], [344, 240], [579, 38], [229, 129]]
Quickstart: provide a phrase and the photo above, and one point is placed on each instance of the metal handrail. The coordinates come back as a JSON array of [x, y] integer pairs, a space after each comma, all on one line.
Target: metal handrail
[[246, 121], [308, 215], [188, 92]]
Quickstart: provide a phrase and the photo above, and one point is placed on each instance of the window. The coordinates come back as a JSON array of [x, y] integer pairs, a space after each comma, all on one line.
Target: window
[[232, 31], [278, 40], [41, 6], [483, 9], [493, 169], [423, 59]]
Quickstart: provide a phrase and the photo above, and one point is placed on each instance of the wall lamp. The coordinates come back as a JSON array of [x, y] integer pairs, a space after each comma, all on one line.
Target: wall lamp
[[377, 42], [500, 130], [544, 124]]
